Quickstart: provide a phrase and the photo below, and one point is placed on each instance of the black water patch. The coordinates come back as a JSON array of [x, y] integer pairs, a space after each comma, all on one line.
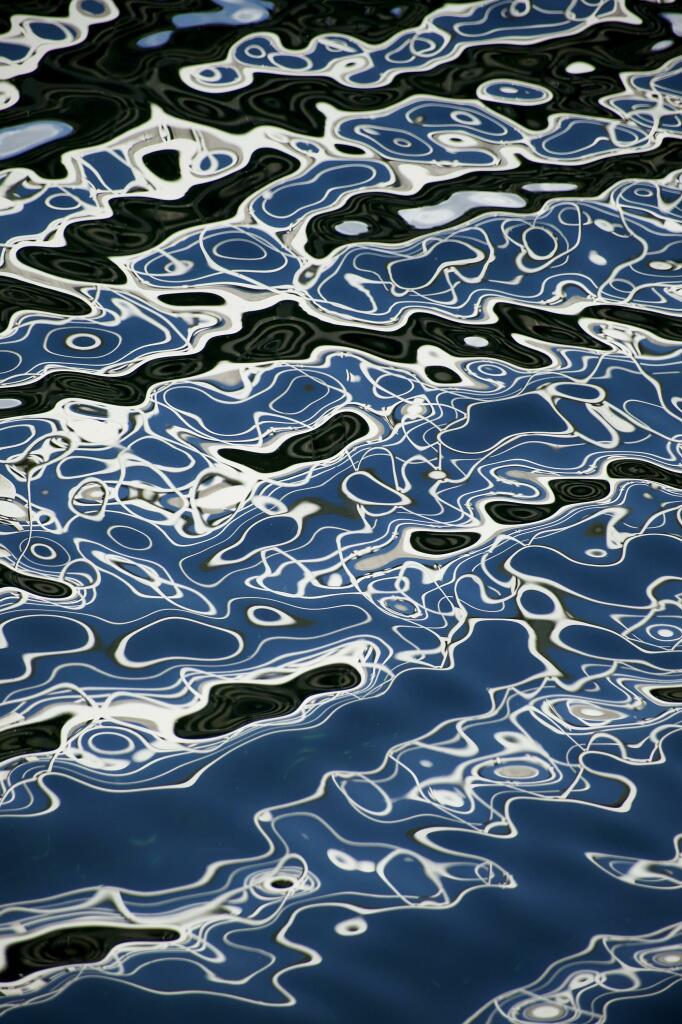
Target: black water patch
[[36, 8], [442, 542], [164, 163], [381, 211], [37, 586], [638, 469], [286, 332], [667, 694], [18, 296], [297, 22], [442, 375], [664, 325], [231, 706], [66, 947], [566, 492], [107, 84], [323, 442], [139, 223], [191, 298], [32, 738]]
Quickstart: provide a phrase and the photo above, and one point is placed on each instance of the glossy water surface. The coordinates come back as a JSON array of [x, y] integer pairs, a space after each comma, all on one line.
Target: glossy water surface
[[340, 537]]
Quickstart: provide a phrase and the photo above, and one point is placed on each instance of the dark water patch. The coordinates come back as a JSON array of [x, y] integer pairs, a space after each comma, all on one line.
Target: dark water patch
[[106, 85], [667, 694], [381, 211], [87, 944], [32, 738], [36, 8], [139, 223], [231, 706], [286, 332], [323, 442], [566, 492], [17, 296], [666, 326], [37, 586], [442, 375], [191, 298], [299, 22], [442, 542], [164, 163], [638, 469]]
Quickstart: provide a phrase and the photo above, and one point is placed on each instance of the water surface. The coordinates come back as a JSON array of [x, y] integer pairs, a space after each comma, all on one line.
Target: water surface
[[340, 550]]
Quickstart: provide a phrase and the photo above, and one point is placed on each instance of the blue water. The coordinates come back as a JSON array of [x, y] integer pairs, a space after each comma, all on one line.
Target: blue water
[[340, 536]]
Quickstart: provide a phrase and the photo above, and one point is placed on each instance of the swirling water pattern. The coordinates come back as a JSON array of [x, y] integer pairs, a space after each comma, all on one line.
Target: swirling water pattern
[[340, 551]]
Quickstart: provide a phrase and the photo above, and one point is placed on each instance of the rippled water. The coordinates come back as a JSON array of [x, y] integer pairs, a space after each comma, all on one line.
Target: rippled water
[[340, 547]]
